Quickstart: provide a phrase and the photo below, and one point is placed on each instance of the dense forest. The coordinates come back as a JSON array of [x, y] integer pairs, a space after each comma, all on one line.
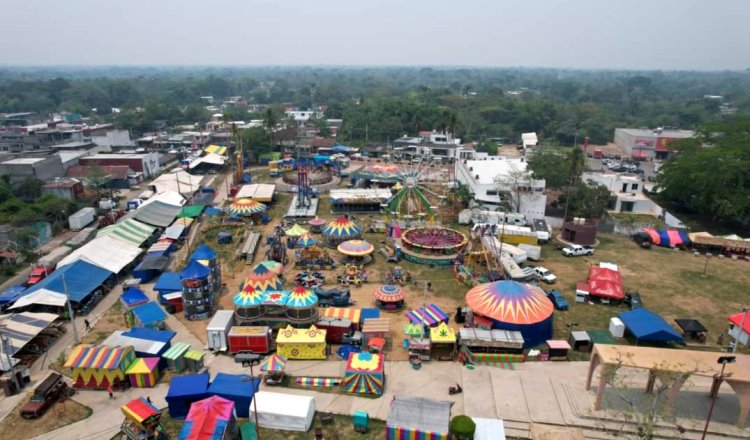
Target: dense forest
[[380, 104]]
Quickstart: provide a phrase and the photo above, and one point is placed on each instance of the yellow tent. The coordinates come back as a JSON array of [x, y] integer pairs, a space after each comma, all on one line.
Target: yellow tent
[[216, 149], [442, 334], [294, 343]]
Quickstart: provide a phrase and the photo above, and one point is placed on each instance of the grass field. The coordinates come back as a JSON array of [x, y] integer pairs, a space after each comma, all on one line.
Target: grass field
[[15, 427]]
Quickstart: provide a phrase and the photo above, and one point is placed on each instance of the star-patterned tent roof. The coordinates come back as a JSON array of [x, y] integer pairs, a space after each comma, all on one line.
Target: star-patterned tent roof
[[342, 227], [389, 293], [262, 279], [302, 297], [306, 240], [246, 207], [248, 297], [510, 301], [273, 266]]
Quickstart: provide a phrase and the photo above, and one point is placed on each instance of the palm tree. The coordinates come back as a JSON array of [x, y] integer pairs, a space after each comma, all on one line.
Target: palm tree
[[270, 120]]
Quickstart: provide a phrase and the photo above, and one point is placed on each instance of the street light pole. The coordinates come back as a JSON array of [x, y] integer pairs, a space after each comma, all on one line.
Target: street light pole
[[70, 309], [251, 359], [723, 360], [742, 329]]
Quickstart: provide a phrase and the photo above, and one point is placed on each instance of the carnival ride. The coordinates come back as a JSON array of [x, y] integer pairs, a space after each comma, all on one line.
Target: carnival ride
[[476, 264], [276, 249], [341, 230], [432, 245], [352, 275], [246, 208], [356, 252], [333, 297], [313, 257], [310, 279], [390, 297], [398, 275], [421, 194], [317, 224]]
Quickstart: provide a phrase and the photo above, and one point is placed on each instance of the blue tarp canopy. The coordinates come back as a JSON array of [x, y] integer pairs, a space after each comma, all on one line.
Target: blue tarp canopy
[[235, 387], [195, 271], [133, 297], [184, 390], [648, 326], [340, 149], [11, 294], [203, 252], [81, 279], [150, 267], [149, 315], [168, 282], [213, 211], [151, 335]]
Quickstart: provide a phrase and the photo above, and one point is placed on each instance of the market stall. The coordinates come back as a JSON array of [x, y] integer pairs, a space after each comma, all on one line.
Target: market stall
[[298, 344], [183, 391], [443, 342], [365, 374], [175, 356], [211, 418], [352, 314], [99, 367], [141, 420], [144, 372], [282, 411]]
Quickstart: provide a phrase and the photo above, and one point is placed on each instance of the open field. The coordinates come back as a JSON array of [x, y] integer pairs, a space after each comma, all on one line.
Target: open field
[[60, 414]]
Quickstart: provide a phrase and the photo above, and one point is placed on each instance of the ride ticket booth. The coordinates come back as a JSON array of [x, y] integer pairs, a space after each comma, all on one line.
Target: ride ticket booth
[[420, 348]]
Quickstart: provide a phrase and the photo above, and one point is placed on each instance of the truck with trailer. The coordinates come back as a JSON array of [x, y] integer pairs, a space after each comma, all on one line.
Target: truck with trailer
[[218, 328], [253, 339], [82, 218], [335, 328]]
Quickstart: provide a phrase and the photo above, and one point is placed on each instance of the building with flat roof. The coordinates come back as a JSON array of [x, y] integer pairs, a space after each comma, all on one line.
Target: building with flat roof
[[499, 182], [646, 143], [627, 193], [42, 168], [71, 189], [146, 163]]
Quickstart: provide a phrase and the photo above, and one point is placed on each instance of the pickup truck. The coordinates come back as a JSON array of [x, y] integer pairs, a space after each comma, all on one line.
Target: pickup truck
[[544, 274], [44, 396], [576, 250], [39, 273], [558, 300]]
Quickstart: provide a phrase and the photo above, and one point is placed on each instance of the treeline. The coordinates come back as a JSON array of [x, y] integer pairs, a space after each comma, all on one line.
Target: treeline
[[380, 104]]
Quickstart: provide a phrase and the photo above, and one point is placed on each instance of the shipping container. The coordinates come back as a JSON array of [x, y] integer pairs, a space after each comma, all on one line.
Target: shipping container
[[218, 329], [255, 339], [335, 328], [80, 219]]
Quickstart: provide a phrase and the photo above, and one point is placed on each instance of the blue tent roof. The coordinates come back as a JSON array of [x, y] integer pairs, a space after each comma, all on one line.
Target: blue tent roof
[[151, 335], [195, 271], [149, 313], [340, 149], [213, 211], [12, 293], [648, 326], [168, 282], [183, 390], [81, 279], [203, 252], [133, 296], [237, 388]]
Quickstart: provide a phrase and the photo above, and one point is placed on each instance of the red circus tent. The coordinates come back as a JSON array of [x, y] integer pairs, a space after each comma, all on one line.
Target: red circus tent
[[604, 283]]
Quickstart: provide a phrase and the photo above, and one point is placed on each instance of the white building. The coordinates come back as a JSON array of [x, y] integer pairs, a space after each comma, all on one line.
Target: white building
[[627, 192], [499, 182], [303, 116], [529, 140]]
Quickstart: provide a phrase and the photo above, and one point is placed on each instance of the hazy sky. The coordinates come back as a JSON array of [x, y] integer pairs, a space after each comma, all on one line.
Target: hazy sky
[[634, 34]]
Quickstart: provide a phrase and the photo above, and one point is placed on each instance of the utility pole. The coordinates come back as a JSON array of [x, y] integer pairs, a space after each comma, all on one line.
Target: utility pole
[[723, 360], [70, 310]]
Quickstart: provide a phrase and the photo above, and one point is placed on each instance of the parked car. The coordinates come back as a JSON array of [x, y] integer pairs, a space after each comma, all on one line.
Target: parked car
[[558, 300], [352, 338], [633, 299], [576, 250], [44, 396], [544, 274], [39, 273]]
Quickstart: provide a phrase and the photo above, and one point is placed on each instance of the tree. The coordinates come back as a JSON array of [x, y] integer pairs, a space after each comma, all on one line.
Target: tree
[[513, 183], [321, 124], [586, 200], [29, 189], [97, 180], [270, 121]]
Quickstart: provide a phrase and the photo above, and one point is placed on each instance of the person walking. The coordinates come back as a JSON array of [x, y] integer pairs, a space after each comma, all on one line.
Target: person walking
[[111, 393], [87, 324]]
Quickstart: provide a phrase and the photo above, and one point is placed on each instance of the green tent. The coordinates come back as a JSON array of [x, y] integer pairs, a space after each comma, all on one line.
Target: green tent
[[191, 211], [247, 431]]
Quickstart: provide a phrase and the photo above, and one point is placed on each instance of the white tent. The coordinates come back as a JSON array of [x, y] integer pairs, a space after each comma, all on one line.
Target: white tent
[[287, 412], [489, 429], [42, 297], [180, 181], [106, 252]]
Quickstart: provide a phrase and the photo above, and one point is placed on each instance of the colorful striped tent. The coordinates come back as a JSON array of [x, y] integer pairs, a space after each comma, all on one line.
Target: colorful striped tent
[[273, 363], [365, 374], [340, 230], [262, 279], [414, 330], [175, 356], [356, 248], [241, 207], [354, 315], [141, 412], [215, 149], [667, 237], [144, 372], [295, 231], [306, 240], [307, 381], [98, 367], [209, 419], [301, 298], [128, 231], [418, 418], [432, 315]]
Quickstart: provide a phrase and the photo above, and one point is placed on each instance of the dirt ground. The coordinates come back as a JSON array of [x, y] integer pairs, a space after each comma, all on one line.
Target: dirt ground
[[58, 415]]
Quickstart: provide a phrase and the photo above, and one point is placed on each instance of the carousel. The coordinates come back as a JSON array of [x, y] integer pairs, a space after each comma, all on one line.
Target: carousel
[[356, 252], [246, 208], [390, 298], [339, 231], [352, 275], [432, 245], [313, 257], [398, 275], [317, 224]]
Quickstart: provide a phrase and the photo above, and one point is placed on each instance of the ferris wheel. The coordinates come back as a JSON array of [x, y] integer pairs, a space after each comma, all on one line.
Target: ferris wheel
[[422, 193]]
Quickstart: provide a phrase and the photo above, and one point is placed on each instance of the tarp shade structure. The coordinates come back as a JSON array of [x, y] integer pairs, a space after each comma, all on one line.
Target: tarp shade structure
[[418, 418], [605, 283], [183, 391], [141, 411], [668, 237], [21, 328], [209, 160], [150, 267], [180, 182], [239, 388], [273, 363], [203, 252], [209, 419], [158, 213], [514, 306], [431, 315], [81, 278], [690, 325], [98, 367], [738, 318], [133, 297], [354, 315], [144, 372], [489, 429], [647, 326], [195, 271], [11, 294], [163, 247], [106, 252], [143, 347], [296, 231], [149, 315], [191, 211], [129, 231], [286, 412], [41, 297], [215, 149], [260, 192], [173, 232], [183, 221], [364, 374], [168, 282]]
